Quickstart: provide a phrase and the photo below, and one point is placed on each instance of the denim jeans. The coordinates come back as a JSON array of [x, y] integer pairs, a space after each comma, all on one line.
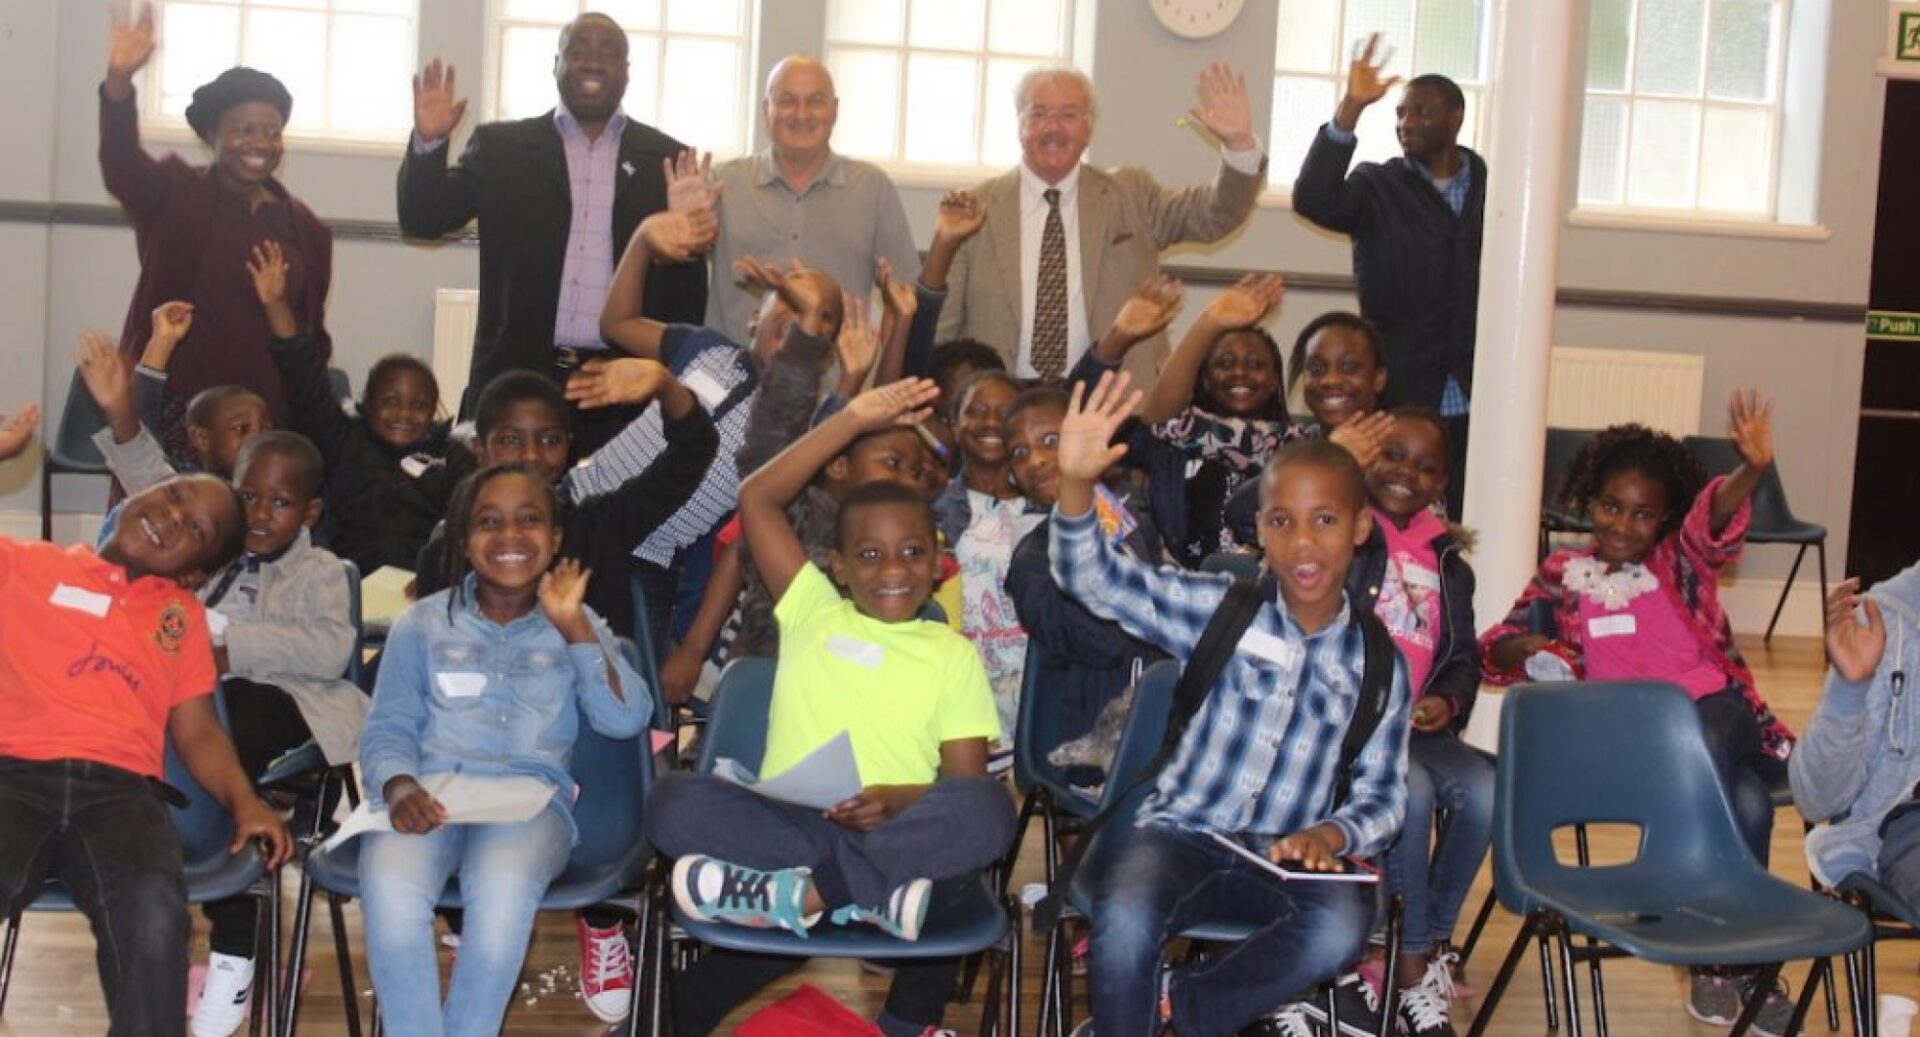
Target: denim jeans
[[106, 836], [504, 871], [1733, 741], [1443, 773], [1164, 880]]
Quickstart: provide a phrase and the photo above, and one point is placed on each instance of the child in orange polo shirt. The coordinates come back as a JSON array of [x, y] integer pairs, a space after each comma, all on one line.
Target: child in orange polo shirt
[[102, 656]]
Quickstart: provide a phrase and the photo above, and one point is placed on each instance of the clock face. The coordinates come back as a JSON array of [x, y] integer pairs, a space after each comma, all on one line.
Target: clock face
[[1196, 19]]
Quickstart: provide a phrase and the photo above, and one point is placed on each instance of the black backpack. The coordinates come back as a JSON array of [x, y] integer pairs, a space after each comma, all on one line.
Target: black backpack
[[1216, 646]]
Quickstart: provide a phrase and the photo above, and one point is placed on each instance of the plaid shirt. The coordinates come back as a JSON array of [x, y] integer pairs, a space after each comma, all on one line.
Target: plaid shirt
[[1262, 755]]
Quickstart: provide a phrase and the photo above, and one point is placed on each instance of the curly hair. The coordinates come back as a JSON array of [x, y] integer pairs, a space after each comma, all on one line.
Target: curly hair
[[1633, 448]]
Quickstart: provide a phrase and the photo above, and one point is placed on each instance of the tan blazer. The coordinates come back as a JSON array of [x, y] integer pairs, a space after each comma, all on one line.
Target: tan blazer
[[1126, 219]]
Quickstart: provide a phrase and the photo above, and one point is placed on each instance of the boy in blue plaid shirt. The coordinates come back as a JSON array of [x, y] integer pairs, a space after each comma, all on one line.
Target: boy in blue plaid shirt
[[1259, 761]]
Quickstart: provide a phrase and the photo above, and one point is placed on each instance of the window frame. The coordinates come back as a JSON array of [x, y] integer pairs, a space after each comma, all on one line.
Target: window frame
[[165, 128], [497, 24]]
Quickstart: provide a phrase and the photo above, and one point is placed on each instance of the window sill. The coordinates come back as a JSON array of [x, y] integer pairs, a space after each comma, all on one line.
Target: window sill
[[1680, 223]]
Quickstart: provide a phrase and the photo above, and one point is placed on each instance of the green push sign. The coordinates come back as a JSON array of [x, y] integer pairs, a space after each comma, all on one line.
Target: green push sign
[[1892, 325]]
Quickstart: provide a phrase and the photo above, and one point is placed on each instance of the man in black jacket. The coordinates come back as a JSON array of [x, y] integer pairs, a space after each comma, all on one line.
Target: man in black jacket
[[558, 195], [1415, 223]]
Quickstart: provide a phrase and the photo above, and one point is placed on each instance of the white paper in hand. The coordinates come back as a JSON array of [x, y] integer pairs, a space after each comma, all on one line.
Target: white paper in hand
[[383, 596], [826, 776], [469, 799]]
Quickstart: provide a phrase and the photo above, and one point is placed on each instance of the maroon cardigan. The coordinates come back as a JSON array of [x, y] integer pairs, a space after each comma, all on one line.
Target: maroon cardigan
[[177, 212]]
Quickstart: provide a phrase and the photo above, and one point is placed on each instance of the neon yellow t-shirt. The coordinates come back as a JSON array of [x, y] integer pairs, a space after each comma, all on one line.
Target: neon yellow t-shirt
[[898, 689]]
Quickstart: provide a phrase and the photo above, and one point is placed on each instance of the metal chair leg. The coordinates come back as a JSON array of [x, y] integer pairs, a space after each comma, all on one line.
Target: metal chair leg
[[1500, 979], [1762, 984], [6, 957], [343, 956], [1549, 1000], [1788, 589], [1565, 940], [1479, 926]]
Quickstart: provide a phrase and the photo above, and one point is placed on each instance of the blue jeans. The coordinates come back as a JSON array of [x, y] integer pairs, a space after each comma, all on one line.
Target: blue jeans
[[504, 871], [1443, 773], [1164, 880]]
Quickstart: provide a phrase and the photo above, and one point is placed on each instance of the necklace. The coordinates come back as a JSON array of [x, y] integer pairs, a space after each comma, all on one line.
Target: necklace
[[1588, 576]]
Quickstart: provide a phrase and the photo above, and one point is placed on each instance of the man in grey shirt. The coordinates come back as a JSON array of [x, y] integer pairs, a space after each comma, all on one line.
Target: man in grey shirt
[[798, 199]]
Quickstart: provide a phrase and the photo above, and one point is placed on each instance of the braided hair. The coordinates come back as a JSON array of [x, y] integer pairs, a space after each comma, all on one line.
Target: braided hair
[[1633, 448]]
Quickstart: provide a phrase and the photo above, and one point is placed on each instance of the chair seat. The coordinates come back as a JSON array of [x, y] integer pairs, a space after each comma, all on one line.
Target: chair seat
[[1793, 532], [1689, 922], [292, 764], [1880, 898], [973, 922], [338, 871]]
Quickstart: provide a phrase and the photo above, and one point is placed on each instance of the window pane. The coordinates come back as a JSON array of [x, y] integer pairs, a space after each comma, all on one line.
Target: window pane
[[1378, 142], [943, 97], [643, 78], [703, 103], [311, 5], [631, 15], [372, 56], [947, 24], [1448, 39], [1025, 27], [866, 21], [1309, 38], [1470, 122], [868, 82], [1735, 167], [401, 8], [292, 44], [1000, 141], [1603, 150], [542, 10], [1300, 105], [1608, 45], [1663, 155], [1738, 53], [199, 41], [526, 71], [1668, 38], [718, 17], [1392, 19]]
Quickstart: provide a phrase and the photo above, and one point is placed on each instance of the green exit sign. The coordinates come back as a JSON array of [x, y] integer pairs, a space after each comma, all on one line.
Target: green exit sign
[[1893, 325]]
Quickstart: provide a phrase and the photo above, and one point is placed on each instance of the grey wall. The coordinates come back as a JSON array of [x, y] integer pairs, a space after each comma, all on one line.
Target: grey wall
[[57, 280]]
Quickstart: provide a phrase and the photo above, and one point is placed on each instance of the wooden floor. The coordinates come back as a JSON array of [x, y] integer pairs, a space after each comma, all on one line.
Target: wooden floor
[[55, 994]]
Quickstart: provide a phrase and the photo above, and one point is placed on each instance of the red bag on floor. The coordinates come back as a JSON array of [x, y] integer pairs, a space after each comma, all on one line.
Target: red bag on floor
[[807, 1012]]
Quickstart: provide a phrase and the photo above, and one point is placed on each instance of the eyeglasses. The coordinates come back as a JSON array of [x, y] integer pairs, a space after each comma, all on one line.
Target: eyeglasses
[[1037, 116]]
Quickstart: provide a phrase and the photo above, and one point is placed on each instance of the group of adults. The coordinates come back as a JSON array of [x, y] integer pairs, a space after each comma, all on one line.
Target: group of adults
[[558, 195]]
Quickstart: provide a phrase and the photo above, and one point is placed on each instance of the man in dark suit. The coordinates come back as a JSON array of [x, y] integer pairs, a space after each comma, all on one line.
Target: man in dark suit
[[558, 195]]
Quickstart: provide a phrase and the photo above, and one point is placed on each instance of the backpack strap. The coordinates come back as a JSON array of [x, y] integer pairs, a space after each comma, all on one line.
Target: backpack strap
[[1221, 636], [1376, 688]]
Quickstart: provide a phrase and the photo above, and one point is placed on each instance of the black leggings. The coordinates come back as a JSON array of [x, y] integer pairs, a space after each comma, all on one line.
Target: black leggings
[[265, 724]]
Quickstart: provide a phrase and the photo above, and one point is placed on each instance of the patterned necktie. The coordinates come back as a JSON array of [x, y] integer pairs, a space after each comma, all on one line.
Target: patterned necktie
[[1050, 297]]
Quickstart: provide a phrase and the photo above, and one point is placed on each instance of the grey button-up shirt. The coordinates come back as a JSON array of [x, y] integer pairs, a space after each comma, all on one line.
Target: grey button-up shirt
[[848, 217]]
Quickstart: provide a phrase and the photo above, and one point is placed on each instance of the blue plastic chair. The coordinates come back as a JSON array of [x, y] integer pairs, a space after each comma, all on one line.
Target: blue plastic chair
[[1563, 445], [1891, 919], [70, 450], [1048, 796], [1631, 752], [1773, 520], [975, 923], [607, 867]]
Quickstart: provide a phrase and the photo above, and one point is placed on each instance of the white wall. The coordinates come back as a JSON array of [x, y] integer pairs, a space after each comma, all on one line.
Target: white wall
[[57, 280]]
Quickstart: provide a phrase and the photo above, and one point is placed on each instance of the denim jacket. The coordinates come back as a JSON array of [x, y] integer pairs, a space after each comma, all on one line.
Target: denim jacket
[[461, 693]]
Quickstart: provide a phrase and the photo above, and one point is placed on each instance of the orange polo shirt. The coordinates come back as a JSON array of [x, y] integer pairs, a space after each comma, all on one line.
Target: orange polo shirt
[[91, 662]]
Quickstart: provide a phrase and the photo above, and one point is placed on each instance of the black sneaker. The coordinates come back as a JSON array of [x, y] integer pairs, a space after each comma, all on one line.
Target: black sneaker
[[1423, 1012], [1359, 1007], [1290, 1021], [1775, 1012]]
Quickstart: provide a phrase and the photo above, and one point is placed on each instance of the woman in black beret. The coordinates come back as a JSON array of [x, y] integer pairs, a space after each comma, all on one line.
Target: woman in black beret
[[196, 226]]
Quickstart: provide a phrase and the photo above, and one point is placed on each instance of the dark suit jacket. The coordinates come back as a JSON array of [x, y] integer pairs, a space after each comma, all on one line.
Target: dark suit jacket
[[513, 176]]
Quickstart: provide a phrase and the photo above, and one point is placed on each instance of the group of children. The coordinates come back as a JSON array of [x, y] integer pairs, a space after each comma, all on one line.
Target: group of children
[[907, 552]]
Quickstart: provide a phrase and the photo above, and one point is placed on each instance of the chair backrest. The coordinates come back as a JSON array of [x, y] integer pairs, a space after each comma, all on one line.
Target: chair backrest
[[72, 444], [1234, 563], [205, 828], [1563, 445], [1718, 456], [1615, 752], [1037, 730], [741, 704], [342, 386], [647, 658], [356, 669], [1139, 743], [614, 776]]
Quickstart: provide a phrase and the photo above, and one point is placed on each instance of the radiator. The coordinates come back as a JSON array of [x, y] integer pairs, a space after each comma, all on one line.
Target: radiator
[[455, 311], [1594, 388]]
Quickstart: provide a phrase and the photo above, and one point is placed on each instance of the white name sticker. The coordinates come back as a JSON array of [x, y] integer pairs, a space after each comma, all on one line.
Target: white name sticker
[[706, 387], [414, 465], [859, 653], [1278, 651], [460, 685], [81, 599], [1612, 626], [217, 623], [1417, 578]]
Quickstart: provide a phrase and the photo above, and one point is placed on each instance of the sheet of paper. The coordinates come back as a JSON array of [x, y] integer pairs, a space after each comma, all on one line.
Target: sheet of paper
[[383, 596], [470, 800], [828, 775], [1353, 873]]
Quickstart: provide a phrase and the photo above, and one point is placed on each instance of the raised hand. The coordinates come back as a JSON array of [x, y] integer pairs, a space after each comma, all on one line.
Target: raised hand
[[172, 321], [1247, 303], [129, 46], [1365, 83], [1223, 107], [563, 597], [105, 373], [800, 294], [16, 430], [961, 216], [690, 183], [677, 237], [1148, 312], [1363, 436], [1086, 433], [1854, 648], [908, 401], [608, 383], [898, 297], [1750, 426], [435, 111], [856, 346], [268, 268]]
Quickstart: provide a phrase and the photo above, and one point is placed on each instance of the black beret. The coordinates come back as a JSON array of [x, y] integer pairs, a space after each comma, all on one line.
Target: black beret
[[235, 86]]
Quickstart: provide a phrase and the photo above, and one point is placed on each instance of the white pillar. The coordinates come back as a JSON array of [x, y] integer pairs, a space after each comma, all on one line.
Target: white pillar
[[1520, 258]]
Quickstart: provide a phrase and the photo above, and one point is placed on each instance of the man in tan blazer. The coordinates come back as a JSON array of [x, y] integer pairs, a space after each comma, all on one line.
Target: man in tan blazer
[[1113, 226]]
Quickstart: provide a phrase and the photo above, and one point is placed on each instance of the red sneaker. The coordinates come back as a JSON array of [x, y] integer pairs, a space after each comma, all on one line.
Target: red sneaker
[[606, 970]]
